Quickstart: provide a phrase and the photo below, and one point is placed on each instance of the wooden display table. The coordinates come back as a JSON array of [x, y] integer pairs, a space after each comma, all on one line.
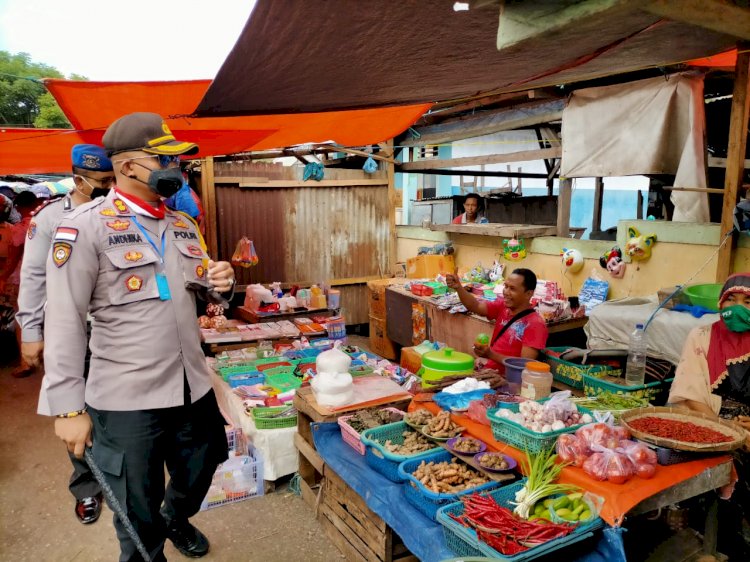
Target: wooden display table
[[253, 316], [460, 330], [357, 532]]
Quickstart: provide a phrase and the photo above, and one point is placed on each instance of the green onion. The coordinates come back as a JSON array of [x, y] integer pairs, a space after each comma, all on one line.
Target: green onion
[[542, 471]]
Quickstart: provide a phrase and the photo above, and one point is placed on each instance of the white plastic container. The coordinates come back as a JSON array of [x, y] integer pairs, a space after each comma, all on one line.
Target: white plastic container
[[536, 380]]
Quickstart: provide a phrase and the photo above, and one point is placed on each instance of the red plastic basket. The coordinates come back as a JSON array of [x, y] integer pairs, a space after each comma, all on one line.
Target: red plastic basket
[[351, 437]]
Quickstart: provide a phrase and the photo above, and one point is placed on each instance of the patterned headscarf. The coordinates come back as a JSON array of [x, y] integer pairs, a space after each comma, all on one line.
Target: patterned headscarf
[[729, 352], [737, 283]]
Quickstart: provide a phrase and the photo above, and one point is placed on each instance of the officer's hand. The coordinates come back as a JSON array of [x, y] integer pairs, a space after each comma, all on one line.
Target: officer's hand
[[32, 352], [452, 280], [220, 275], [481, 350], [76, 432]]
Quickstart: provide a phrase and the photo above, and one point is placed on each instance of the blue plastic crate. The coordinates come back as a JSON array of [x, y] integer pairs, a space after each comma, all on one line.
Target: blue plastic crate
[[379, 458], [246, 379], [456, 534], [369, 355], [302, 353], [423, 499]]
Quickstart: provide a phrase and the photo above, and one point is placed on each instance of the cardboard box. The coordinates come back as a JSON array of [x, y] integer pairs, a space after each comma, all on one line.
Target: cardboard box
[[411, 360], [376, 291], [379, 342], [427, 267]]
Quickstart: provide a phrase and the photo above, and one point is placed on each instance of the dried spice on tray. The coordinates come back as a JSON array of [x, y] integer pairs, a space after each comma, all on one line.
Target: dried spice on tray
[[678, 430]]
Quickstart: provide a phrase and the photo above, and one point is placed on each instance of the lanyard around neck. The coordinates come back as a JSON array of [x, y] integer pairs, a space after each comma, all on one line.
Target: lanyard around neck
[[151, 240]]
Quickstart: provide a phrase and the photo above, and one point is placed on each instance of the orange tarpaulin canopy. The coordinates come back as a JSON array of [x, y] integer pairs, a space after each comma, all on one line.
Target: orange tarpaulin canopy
[[727, 59], [92, 106]]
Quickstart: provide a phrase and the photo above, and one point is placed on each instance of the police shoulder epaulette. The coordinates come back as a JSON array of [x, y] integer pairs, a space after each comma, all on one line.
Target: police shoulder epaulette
[[46, 204], [80, 209]]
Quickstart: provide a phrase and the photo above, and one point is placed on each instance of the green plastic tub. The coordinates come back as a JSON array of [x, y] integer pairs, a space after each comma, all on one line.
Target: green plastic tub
[[705, 295]]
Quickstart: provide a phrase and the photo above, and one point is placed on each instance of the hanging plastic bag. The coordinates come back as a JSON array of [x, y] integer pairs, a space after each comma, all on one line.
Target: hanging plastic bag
[[370, 166], [313, 171], [244, 253]]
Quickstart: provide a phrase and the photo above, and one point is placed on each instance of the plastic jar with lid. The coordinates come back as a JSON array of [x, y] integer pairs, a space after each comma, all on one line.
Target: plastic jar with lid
[[536, 380]]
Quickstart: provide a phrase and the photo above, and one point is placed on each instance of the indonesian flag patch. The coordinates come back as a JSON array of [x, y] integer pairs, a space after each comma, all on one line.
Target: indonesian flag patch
[[66, 233], [61, 253]]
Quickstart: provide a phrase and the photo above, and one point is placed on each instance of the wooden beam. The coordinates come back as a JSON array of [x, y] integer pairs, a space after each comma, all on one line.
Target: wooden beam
[[596, 220], [479, 174], [309, 453], [269, 183], [498, 229], [366, 154], [717, 15], [521, 156], [208, 194], [488, 122], [563, 207], [714, 162], [735, 156], [694, 189], [393, 198], [440, 111]]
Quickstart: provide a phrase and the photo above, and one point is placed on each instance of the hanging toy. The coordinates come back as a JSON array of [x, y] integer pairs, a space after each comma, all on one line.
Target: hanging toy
[[611, 260], [572, 259], [370, 166], [244, 253], [496, 272], [639, 245], [514, 249]]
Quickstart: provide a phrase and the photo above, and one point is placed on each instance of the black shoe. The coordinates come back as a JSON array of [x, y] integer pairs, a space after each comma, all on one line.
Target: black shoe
[[187, 539], [89, 509]]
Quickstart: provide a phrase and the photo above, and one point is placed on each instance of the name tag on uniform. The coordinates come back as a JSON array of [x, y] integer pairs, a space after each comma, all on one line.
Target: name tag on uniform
[[163, 287]]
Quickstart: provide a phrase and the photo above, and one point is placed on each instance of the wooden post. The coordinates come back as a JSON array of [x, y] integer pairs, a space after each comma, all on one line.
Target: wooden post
[[563, 207], [735, 156], [392, 204], [596, 222], [208, 193]]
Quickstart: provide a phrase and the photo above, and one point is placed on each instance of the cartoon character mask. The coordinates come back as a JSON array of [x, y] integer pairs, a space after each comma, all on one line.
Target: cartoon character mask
[[639, 245], [612, 262], [514, 250], [572, 260]]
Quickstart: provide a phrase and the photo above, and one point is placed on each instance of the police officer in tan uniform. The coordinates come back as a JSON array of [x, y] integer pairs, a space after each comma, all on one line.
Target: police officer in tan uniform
[[93, 177], [148, 402]]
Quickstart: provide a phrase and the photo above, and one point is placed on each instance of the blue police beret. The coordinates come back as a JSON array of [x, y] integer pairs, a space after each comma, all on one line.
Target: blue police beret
[[90, 157]]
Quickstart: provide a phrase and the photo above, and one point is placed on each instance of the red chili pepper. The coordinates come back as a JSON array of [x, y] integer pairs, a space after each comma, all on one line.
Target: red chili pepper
[[678, 430]]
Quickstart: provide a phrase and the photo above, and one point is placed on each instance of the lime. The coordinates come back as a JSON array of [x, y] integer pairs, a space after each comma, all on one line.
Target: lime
[[482, 339]]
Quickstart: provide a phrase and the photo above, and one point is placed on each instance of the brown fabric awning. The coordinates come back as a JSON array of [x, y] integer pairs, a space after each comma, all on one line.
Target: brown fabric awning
[[301, 56]]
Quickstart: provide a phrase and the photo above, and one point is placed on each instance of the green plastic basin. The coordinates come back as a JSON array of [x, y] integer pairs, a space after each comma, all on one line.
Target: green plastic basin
[[705, 295]]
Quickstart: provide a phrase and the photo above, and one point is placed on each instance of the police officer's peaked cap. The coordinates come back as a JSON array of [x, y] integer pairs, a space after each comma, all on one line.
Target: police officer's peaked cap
[[90, 157], [144, 131]]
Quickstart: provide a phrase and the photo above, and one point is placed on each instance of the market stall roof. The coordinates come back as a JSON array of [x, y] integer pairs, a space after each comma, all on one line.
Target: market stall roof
[[92, 106], [298, 57]]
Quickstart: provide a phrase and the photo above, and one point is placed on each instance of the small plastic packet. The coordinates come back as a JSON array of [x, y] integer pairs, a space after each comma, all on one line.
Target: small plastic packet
[[560, 406]]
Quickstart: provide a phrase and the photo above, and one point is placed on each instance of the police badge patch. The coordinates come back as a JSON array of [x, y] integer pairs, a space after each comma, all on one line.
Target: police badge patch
[[32, 230], [120, 205], [179, 224], [61, 253], [119, 225], [200, 271], [194, 250], [108, 212], [134, 283], [133, 256]]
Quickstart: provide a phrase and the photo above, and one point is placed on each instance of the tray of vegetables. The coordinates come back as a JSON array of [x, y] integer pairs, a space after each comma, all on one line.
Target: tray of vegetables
[[352, 426], [683, 430], [537, 425], [439, 479], [617, 404], [505, 524], [389, 445]]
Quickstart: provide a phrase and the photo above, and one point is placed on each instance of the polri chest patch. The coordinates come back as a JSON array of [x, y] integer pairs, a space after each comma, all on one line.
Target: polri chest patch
[[61, 253]]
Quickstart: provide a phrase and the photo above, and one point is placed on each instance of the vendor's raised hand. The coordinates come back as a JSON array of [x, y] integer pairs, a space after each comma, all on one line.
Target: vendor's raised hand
[[482, 350], [453, 281]]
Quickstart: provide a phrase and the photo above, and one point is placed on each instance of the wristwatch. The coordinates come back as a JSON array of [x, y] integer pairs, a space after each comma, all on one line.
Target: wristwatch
[[72, 414]]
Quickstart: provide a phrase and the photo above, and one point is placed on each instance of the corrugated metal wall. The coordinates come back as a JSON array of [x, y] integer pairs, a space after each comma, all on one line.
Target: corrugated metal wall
[[310, 233]]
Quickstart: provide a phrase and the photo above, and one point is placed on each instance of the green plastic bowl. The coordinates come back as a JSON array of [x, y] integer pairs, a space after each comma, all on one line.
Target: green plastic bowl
[[706, 295]]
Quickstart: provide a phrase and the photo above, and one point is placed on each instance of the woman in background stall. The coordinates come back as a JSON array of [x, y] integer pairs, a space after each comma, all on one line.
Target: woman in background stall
[[713, 377]]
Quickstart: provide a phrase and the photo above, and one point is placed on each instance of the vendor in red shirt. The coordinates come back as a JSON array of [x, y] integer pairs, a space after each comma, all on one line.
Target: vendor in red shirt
[[525, 337]]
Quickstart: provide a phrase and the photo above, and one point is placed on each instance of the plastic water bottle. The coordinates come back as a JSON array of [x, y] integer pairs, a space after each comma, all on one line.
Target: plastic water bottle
[[635, 370]]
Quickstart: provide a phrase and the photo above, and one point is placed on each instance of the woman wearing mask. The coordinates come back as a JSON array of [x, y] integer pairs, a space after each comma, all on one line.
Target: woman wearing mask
[[713, 377]]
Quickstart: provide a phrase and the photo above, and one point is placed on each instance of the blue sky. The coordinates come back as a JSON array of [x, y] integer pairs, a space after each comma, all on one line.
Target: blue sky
[[107, 40]]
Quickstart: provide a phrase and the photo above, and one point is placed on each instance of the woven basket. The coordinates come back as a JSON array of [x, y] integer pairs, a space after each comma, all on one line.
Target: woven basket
[[738, 435]]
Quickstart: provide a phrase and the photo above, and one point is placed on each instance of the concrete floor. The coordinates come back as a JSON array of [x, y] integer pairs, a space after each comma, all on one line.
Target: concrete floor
[[37, 522]]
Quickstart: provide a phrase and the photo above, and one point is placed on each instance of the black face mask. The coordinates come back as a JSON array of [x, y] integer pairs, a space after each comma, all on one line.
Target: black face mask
[[164, 183], [95, 191]]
